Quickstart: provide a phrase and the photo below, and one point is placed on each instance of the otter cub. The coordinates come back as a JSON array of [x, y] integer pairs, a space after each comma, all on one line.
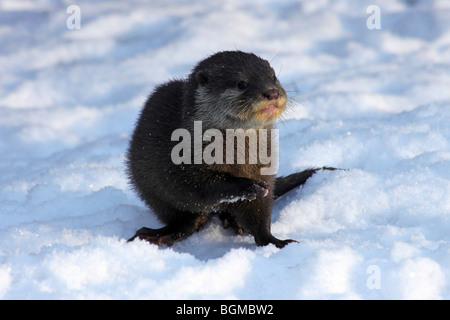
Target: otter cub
[[228, 90]]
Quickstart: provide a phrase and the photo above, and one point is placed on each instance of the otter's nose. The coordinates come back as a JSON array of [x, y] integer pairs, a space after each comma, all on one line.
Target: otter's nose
[[271, 94]]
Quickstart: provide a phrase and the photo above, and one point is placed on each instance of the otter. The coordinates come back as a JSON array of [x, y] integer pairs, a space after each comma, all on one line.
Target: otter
[[227, 90]]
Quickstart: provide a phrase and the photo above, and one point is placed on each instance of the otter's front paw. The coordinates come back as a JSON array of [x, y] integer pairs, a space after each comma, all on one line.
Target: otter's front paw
[[256, 189], [250, 191]]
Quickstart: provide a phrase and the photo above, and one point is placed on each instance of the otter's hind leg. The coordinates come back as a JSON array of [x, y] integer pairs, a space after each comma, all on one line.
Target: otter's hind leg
[[254, 217], [230, 221], [186, 224]]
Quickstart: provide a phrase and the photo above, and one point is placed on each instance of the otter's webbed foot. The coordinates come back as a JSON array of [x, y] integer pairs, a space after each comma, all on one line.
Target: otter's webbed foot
[[281, 243], [177, 231], [267, 238], [156, 236]]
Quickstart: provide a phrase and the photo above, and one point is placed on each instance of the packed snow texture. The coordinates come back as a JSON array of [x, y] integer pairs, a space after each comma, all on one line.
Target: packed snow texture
[[373, 101]]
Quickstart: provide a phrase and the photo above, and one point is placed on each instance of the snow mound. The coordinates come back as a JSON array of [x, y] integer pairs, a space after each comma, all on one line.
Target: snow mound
[[373, 102]]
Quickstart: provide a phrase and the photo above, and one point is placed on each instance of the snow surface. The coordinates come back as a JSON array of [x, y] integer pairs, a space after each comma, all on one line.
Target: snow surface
[[376, 102]]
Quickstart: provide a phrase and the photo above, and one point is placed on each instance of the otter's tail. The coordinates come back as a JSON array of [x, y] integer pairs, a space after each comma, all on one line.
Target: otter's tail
[[285, 184]]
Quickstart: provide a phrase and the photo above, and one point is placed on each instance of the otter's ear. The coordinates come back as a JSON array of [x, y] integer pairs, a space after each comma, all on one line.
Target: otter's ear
[[202, 77]]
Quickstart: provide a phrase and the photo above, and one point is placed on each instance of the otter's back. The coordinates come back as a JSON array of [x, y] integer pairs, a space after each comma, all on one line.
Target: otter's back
[[151, 144]]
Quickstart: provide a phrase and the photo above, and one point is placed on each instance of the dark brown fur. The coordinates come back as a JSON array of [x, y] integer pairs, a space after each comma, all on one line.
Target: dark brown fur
[[226, 90]]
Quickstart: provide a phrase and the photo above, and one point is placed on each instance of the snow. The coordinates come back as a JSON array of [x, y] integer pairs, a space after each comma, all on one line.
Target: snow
[[375, 102]]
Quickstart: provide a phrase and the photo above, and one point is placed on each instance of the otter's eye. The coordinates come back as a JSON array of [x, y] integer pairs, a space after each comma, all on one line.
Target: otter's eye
[[275, 79], [242, 85]]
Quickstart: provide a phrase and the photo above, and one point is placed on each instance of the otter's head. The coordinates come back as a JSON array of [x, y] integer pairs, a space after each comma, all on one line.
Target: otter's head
[[235, 89]]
